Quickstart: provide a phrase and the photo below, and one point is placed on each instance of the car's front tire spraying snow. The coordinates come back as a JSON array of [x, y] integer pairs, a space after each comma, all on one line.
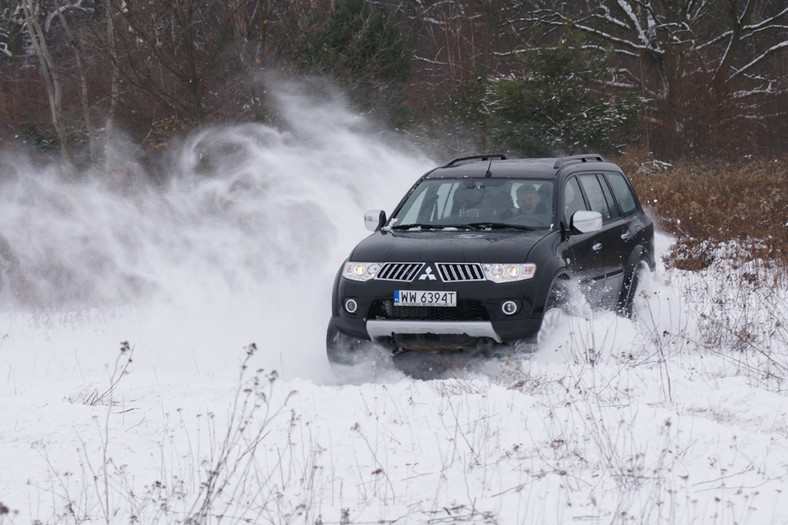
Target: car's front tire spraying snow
[[343, 349]]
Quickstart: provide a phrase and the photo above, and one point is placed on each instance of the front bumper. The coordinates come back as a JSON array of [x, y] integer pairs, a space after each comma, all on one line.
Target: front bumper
[[477, 317], [380, 329]]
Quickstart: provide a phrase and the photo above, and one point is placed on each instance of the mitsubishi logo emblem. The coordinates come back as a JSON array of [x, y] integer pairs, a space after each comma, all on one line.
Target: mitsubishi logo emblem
[[427, 275]]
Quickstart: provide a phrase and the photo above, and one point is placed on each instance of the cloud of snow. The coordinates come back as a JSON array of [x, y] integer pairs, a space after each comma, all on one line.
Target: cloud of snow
[[239, 244]]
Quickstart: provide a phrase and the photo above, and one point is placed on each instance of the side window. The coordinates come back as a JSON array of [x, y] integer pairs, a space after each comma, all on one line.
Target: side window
[[596, 197], [611, 203], [623, 192], [573, 199]]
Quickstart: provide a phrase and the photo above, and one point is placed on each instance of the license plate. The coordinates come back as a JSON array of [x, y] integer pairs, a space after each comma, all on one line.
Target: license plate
[[424, 298]]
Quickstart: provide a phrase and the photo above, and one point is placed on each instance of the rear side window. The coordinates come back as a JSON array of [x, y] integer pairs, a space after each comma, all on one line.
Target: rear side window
[[596, 197], [623, 192], [611, 203]]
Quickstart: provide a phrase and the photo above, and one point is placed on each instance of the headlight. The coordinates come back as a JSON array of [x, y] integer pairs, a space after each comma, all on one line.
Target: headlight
[[505, 273], [360, 271]]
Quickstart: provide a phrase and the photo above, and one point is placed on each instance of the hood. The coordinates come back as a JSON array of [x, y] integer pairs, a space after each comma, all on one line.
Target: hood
[[447, 246]]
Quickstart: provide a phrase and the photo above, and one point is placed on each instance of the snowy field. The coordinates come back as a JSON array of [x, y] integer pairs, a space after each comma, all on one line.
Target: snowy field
[[162, 361]]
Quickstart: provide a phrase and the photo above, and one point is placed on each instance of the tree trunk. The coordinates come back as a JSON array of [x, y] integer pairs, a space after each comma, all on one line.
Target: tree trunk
[[109, 153], [83, 85], [51, 81]]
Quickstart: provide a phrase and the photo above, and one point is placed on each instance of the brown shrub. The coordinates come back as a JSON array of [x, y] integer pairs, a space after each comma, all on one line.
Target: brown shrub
[[705, 203]]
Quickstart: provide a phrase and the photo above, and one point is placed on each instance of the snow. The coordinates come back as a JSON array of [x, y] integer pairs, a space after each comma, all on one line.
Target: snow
[[610, 421]]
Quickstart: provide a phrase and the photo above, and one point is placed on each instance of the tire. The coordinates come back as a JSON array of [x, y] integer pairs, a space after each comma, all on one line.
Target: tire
[[343, 349], [629, 290], [558, 298]]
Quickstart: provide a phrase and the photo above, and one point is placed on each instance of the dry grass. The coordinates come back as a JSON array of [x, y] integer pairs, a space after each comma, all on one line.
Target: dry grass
[[707, 203]]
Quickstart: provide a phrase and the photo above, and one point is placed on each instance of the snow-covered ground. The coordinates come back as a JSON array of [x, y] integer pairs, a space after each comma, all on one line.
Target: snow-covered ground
[[162, 360]]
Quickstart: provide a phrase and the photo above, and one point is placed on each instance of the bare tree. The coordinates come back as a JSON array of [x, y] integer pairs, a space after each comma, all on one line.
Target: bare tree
[[74, 41], [724, 54], [713, 71], [183, 64], [109, 154], [31, 12], [42, 50]]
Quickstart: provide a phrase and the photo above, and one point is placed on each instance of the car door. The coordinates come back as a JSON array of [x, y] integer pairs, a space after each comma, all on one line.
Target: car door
[[622, 206], [610, 241], [632, 230], [585, 259]]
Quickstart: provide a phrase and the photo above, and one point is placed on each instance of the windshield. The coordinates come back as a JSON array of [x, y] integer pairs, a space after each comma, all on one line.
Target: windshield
[[478, 204]]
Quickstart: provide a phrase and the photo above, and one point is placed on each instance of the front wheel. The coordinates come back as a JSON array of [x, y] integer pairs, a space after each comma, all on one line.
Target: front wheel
[[558, 296], [343, 349], [557, 301]]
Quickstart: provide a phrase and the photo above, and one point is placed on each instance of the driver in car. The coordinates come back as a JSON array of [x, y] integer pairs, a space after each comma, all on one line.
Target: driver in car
[[528, 200], [530, 204]]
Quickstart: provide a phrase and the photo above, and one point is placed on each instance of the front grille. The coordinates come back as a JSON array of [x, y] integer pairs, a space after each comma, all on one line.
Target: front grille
[[469, 310], [404, 272], [453, 272]]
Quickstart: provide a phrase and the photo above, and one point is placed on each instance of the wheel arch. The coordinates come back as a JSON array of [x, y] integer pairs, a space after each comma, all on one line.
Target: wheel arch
[[638, 254], [560, 273]]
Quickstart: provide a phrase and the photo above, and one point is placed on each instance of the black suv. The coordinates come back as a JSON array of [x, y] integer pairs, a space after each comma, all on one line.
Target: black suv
[[479, 249]]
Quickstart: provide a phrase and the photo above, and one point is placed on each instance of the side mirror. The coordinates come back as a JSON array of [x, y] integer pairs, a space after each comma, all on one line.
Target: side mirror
[[375, 219], [587, 221]]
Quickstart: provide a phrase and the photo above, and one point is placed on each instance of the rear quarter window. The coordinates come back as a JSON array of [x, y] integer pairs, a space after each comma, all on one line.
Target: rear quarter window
[[623, 192]]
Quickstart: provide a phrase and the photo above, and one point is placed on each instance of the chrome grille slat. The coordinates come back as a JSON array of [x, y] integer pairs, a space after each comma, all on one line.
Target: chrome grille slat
[[404, 272], [448, 272], [414, 271], [458, 272], [479, 272]]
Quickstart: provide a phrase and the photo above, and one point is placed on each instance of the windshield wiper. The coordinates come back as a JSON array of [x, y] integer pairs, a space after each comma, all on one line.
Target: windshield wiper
[[416, 225], [498, 226], [471, 226]]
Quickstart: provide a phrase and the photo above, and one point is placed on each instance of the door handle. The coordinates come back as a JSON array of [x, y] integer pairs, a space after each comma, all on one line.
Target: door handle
[[597, 246], [625, 236]]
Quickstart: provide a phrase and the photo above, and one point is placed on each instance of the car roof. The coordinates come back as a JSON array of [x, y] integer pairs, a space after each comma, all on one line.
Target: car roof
[[498, 166]]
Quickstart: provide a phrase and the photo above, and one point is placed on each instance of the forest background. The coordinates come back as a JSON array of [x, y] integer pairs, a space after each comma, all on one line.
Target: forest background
[[690, 96], [676, 79]]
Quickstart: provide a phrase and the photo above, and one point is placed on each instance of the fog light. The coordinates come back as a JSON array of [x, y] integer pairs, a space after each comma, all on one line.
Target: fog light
[[351, 306], [509, 307]]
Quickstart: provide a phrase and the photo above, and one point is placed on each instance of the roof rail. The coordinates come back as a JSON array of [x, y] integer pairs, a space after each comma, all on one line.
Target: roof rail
[[487, 156], [574, 159]]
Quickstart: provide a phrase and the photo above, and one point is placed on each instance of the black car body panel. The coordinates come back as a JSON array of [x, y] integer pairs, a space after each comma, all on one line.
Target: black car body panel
[[447, 246], [466, 226]]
